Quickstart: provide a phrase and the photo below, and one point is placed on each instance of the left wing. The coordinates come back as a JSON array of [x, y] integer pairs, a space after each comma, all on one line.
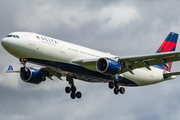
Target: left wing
[[133, 62], [149, 60], [87, 63]]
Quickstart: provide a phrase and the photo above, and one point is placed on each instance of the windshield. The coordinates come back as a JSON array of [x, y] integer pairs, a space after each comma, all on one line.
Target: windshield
[[15, 36]]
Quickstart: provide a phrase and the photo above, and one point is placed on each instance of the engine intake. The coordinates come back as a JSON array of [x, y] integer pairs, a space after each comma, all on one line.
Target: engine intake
[[31, 75], [108, 66]]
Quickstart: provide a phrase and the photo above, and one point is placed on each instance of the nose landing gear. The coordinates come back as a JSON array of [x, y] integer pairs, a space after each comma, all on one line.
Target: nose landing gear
[[23, 61]]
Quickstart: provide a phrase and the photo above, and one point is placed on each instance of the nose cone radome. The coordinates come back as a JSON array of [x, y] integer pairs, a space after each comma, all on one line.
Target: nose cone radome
[[3, 43], [8, 45]]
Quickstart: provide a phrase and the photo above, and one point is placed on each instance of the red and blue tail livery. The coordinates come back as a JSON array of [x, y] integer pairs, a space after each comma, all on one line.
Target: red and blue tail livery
[[168, 45]]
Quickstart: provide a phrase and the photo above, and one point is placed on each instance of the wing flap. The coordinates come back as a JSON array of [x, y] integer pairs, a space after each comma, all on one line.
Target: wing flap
[[49, 72]]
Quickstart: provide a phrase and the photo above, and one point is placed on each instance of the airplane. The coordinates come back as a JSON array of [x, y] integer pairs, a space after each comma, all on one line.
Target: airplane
[[63, 59]]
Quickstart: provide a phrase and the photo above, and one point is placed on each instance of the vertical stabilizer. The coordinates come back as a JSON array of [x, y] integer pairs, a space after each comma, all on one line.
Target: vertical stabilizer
[[168, 45]]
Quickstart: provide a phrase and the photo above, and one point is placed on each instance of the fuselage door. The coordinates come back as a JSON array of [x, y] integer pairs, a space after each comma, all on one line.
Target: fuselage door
[[61, 47], [31, 39]]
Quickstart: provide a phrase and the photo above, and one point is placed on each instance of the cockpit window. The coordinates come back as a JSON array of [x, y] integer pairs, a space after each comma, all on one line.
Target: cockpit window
[[15, 36], [9, 35]]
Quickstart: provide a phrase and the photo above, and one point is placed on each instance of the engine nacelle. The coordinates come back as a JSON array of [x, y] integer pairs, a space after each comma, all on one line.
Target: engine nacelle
[[108, 66], [31, 75]]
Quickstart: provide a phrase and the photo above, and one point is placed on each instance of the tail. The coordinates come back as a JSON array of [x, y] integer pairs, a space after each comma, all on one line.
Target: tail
[[168, 45]]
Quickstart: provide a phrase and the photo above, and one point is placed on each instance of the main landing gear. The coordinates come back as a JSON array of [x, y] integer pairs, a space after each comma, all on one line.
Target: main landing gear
[[116, 86], [72, 89]]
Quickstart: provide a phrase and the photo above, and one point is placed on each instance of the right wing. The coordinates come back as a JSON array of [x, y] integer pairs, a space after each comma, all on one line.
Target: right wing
[[10, 70], [48, 72]]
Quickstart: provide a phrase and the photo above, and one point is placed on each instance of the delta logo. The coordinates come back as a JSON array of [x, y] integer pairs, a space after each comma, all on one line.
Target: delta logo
[[47, 39]]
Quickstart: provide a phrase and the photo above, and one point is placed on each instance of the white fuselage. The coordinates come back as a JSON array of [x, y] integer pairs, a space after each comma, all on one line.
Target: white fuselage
[[36, 46]]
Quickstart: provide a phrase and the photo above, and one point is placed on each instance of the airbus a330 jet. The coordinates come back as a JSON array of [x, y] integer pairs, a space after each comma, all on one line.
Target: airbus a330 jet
[[63, 59]]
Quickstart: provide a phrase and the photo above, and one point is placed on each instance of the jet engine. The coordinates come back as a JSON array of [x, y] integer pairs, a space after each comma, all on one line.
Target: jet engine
[[31, 75], [108, 66]]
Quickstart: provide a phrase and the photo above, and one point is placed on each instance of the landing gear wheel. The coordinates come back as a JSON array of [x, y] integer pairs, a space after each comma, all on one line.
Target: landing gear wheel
[[68, 89], [25, 68], [116, 91], [78, 95], [73, 89], [111, 85], [122, 90], [116, 84], [73, 95]]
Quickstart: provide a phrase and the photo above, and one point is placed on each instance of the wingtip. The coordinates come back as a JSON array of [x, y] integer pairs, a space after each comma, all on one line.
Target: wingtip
[[10, 68]]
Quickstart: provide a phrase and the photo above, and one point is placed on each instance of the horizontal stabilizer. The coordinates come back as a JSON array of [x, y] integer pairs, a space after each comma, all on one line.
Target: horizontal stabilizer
[[170, 74]]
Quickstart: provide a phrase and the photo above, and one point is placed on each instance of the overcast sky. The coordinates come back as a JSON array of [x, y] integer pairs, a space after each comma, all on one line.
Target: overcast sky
[[121, 27]]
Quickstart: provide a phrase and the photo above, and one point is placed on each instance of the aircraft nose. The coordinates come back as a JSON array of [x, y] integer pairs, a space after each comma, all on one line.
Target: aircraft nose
[[9, 45], [4, 43]]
